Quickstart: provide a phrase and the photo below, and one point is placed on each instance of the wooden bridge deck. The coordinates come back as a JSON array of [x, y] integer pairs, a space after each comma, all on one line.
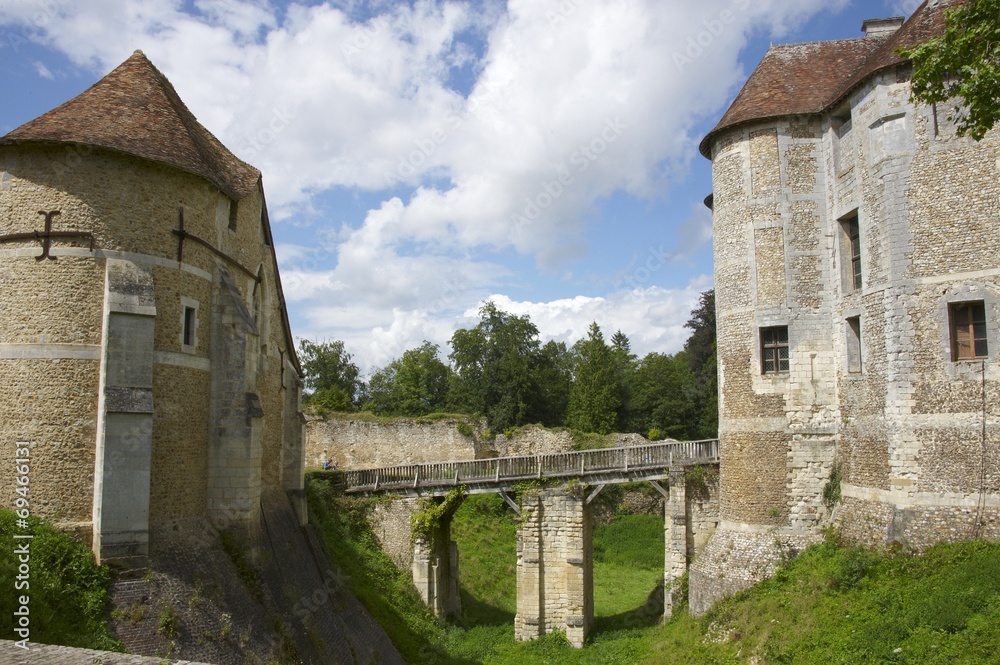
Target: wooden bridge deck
[[604, 466]]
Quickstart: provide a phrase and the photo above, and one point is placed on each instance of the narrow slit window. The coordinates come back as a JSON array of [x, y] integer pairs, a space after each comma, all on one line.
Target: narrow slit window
[[854, 344], [189, 322], [852, 254], [774, 349], [233, 213], [968, 330]]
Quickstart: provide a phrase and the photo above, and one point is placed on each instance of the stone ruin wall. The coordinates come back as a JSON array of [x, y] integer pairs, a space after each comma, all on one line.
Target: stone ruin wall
[[368, 444]]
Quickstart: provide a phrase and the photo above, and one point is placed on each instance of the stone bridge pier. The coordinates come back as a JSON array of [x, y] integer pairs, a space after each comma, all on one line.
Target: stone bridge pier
[[555, 567], [435, 566], [555, 561]]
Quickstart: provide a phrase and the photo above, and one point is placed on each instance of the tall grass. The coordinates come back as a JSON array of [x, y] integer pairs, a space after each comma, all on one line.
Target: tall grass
[[832, 604]]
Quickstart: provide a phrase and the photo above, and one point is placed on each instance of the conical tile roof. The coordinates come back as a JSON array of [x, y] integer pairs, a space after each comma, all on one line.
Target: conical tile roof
[[135, 110], [811, 78]]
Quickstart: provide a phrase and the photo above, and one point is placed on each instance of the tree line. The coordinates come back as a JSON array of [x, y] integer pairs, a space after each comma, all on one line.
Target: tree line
[[500, 370]]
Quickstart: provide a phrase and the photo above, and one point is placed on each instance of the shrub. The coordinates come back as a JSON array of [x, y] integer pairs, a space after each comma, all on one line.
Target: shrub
[[68, 591]]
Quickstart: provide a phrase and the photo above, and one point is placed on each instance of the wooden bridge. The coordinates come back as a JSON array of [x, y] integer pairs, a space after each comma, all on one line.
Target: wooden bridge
[[593, 467]]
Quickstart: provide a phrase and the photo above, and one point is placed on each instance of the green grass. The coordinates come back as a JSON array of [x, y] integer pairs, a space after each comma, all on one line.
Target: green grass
[[838, 604], [832, 604], [387, 592], [67, 590]]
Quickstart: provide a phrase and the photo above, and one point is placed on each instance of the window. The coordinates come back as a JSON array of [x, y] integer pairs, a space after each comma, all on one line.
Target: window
[[854, 344], [774, 349], [189, 313], [189, 325], [852, 250], [843, 153], [233, 210], [968, 330]]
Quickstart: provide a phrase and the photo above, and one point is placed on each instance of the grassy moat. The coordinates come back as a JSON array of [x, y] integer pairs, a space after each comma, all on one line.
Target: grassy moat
[[832, 604]]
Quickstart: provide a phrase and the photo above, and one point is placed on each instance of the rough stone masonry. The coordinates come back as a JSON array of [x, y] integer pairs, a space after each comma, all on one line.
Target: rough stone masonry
[[857, 272]]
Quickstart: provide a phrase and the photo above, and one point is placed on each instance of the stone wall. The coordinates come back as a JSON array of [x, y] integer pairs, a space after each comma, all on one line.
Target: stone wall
[[365, 443], [390, 522], [905, 423], [53, 339], [555, 567]]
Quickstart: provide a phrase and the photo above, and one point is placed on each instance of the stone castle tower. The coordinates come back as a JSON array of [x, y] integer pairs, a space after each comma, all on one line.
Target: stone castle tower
[[857, 271], [145, 354]]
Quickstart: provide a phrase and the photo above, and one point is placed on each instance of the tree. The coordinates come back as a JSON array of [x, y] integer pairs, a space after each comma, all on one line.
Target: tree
[[495, 364], [664, 397], [414, 385], [700, 346], [625, 366], [962, 63], [330, 376], [595, 397], [553, 378], [700, 349]]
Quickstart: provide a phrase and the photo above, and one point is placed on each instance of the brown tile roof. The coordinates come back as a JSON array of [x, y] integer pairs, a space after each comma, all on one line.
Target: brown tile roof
[[805, 79], [135, 110]]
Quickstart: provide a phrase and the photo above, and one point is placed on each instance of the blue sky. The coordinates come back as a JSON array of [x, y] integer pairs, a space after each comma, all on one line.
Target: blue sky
[[420, 158]]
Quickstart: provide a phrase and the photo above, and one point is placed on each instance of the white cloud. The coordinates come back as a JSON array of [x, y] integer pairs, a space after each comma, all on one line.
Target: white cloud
[[653, 318], [43, 71], [571, 102]]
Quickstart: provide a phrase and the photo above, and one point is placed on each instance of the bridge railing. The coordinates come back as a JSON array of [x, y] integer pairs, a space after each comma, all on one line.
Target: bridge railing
[[512, 469]]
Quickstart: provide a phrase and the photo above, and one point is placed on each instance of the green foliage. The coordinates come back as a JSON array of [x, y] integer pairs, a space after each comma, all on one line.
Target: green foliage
[[700, 350], [67, 590], [654, 434], [414, 385], [427, 520], [169, 622], [235, 548], [501, 371], [962, 64], [831, 604], [848, 605], [663, 397], [596, 395], [387, 592], [486, 530], [495, 364], [589, 440], [332, 399], [553, 378], [698, 478], [329, 374], [463, 428], [831, 491], [700, 346]]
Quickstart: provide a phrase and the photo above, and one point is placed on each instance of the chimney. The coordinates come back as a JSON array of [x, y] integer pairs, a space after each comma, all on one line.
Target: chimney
[[881, 27]]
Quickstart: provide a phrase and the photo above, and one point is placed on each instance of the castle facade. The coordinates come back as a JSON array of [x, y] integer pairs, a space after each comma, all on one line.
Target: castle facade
[[857, 272], [146, 360]]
